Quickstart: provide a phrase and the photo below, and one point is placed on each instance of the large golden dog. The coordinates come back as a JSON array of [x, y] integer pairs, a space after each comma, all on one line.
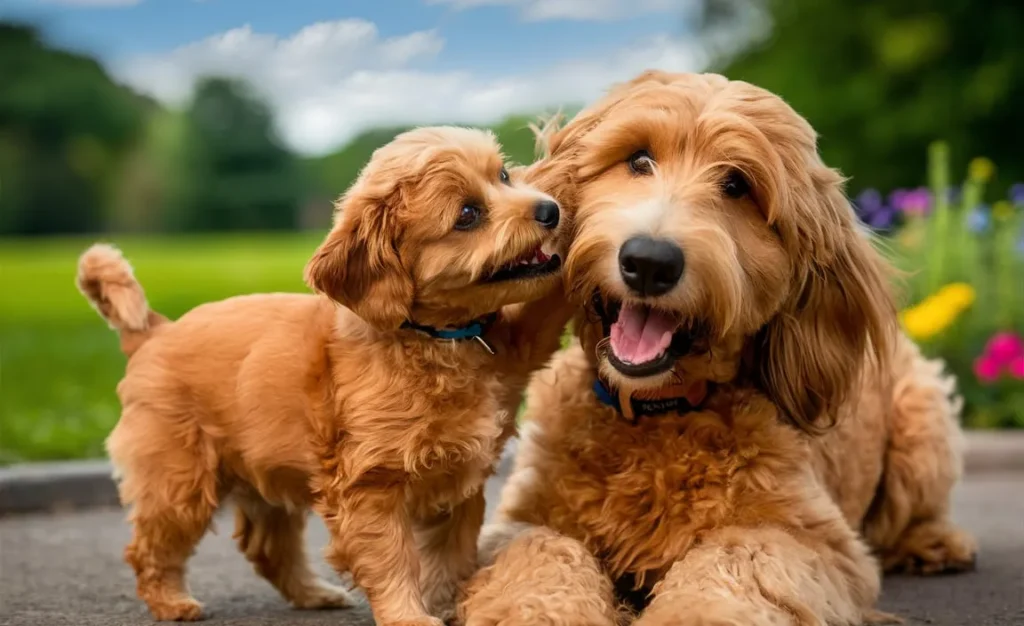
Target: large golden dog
[[386, 415], [741, 427]]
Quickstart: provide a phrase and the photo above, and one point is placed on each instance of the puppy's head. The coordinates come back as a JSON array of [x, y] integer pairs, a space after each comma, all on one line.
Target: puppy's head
[[712, 242], [435, 230]]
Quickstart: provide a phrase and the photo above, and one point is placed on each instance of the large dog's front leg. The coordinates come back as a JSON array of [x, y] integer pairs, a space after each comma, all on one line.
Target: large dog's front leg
[[766, 577], [533, 576]]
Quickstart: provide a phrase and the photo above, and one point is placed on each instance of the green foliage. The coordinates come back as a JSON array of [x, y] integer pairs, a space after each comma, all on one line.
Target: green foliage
[[880, 79], [236, 175], [64, 127], [60, 364]]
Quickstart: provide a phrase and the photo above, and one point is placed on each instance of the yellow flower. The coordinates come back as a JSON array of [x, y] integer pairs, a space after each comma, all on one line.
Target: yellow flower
[[957, 296], [938, 311], [1002, 210], [981, 169]]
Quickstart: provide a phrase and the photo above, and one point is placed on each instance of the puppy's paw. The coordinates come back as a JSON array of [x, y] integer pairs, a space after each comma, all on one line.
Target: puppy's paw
[[323, 595], [179, 610], [440, 601]]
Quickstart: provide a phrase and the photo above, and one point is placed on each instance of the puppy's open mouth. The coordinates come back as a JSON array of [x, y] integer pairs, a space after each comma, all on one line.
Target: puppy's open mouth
[[643, 340], [534, 264]]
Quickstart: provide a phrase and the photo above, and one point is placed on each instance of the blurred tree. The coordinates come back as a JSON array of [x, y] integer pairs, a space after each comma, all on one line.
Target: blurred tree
[[880, 80], [233, 172], [333, 173], [64, 129]]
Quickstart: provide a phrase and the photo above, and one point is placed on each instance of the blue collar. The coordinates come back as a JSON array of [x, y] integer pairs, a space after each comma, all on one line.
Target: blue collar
[[473, 330], [687, 400]]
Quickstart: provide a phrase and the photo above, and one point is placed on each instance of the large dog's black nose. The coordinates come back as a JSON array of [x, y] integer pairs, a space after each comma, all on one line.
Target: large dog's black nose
[[650, 267], [546, 212]]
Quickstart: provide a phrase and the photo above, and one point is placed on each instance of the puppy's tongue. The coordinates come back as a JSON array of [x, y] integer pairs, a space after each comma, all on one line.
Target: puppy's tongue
[[641, 334]]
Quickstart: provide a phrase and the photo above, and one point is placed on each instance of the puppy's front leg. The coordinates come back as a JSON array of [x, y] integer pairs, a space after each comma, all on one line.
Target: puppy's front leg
[[372, 537], [447, 547]]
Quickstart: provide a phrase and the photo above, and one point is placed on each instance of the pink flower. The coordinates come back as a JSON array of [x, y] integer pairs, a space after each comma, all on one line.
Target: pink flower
[[1016, 367], [987, 369], [1004, 347]]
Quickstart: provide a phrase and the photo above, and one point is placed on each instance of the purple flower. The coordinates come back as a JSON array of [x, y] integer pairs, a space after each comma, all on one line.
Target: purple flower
[[915, 202], [872, 211], [882, 219], [897, 198], [978, 219], [1016, 194]]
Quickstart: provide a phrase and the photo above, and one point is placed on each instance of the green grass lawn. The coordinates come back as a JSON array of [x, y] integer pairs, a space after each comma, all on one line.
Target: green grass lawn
[[60, 363]]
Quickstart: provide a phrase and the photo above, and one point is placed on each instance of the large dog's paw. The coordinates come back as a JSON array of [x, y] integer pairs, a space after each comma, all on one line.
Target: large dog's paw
[[421, 621], [933, 548]]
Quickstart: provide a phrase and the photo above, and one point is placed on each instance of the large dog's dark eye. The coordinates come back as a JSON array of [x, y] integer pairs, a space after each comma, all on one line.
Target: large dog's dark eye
[[641, 163], [735, 184], [469, 218], [504, 176]]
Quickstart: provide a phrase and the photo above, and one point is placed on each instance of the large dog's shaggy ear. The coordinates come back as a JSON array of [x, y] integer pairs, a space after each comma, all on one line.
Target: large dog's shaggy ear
[[358, 264], [839, 317]]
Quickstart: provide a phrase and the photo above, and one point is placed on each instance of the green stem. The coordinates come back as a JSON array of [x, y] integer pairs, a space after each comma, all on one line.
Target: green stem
[[938, 175]]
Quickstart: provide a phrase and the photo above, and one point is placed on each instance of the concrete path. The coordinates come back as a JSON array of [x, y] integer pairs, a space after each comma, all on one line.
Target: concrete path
[[67, 569]]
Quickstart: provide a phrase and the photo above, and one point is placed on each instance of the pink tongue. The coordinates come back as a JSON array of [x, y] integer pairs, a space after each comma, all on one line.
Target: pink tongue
[[641, 334]]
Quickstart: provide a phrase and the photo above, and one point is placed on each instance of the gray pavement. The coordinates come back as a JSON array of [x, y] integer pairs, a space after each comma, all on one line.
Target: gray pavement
[[67, 569]]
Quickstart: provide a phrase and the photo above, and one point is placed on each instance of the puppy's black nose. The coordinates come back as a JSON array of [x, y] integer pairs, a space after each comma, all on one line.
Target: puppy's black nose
[[546, 213], [650, 267]]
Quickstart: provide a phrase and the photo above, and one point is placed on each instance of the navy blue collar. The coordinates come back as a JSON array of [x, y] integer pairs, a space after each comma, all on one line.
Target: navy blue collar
[[687, 400], [473, 330]]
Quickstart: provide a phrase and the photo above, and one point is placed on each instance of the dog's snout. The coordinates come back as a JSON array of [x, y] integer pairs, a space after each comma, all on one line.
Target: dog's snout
[[546, 213], [650, 267]]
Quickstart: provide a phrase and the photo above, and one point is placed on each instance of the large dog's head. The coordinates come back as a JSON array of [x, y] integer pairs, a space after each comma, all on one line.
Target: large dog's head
[[436, 230], [711, 242]]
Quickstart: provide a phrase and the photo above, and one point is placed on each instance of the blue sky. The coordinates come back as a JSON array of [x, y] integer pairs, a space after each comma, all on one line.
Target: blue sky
[[334, 67]]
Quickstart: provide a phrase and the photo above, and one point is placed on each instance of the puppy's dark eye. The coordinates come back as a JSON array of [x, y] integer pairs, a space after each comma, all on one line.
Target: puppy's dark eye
[[469, 218], [735, 185], [504, 176], [641, 163]]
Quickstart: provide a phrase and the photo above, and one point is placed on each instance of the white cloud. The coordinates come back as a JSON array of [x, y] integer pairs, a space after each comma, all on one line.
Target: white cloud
[[582, 10], [331, 80]]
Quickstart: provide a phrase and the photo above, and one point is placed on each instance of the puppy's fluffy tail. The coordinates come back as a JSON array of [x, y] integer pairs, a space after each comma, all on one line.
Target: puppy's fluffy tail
[[106, 280]]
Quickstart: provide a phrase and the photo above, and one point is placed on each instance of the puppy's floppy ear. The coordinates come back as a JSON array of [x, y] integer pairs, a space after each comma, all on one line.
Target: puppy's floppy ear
[[358, 264], [840, 316]]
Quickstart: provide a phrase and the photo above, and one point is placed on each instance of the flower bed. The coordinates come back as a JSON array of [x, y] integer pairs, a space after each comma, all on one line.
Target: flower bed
[[964, 277]]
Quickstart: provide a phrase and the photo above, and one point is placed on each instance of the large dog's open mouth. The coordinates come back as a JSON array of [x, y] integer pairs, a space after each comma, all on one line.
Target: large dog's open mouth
[[534, 264], [643, 340]]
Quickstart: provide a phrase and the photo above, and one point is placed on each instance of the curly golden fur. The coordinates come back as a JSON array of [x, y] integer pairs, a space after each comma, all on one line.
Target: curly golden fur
[[825, 437], [288, 402]]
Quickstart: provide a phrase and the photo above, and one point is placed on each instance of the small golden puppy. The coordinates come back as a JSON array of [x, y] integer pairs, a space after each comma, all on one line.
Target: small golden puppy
[[385, 415]]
